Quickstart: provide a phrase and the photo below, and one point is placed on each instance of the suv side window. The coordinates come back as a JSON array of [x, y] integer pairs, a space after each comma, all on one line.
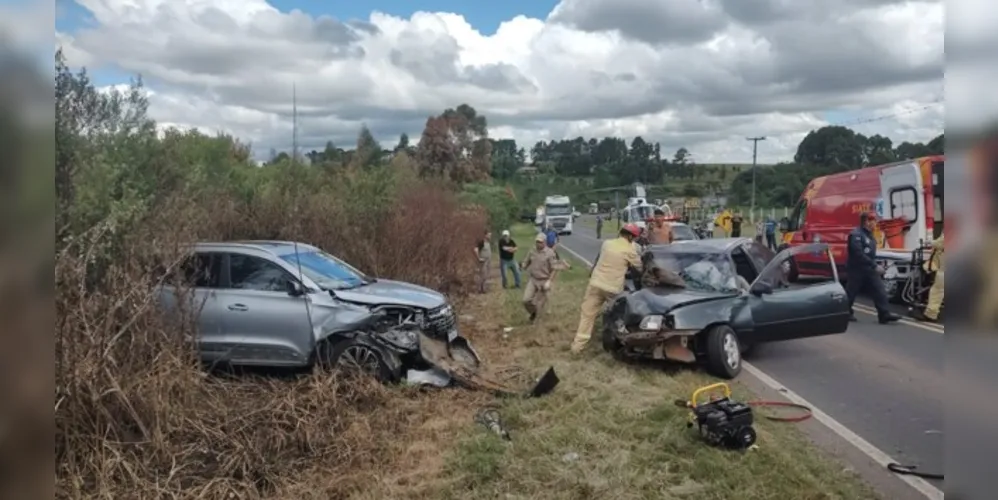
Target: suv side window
[[253, 273], [202, 270]]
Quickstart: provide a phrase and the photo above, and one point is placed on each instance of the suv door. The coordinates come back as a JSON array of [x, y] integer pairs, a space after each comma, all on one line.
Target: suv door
[[190, 297], [781, 312], [269, 325]]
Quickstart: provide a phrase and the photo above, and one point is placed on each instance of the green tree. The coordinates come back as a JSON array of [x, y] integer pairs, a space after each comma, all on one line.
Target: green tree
[[506, 158], [368, 152], [833, 146]]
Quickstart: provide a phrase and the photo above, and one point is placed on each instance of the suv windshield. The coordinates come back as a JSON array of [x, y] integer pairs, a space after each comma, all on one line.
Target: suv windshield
[[327, 271], [701, 271], [558, 210]]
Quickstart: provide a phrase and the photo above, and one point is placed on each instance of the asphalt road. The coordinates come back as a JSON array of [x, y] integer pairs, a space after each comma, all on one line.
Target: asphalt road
[[882, 382]]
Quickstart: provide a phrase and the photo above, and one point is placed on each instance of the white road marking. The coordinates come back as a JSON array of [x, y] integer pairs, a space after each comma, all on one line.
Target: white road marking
[[920, 485], [863, 308]]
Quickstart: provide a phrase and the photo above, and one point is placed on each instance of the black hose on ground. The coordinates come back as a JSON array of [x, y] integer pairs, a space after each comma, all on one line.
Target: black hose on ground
[[910, 470]]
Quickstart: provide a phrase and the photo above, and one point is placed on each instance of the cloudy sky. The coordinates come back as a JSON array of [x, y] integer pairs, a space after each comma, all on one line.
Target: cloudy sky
[[704, 74]]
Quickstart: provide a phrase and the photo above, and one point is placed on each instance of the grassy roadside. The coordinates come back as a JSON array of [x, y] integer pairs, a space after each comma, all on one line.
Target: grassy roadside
[[610, 430]]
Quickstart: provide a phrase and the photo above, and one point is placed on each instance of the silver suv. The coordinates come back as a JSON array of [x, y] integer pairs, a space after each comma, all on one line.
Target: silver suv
[[278, 303]]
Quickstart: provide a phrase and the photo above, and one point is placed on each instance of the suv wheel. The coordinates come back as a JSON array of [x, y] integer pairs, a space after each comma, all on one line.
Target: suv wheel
[[724, 357], [358, 357]]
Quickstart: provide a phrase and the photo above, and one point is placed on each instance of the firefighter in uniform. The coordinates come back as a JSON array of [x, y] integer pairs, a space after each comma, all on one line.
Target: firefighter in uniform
[[935, 301], [615, 258]]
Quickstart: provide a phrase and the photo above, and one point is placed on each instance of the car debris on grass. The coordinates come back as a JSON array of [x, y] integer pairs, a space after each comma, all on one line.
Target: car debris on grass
[[612, 429]]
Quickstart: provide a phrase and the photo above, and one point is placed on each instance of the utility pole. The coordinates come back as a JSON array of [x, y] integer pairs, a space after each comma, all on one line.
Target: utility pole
[[755, 150]]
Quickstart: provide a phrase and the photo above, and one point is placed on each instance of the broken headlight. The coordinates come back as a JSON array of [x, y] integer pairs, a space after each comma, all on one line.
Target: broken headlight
[[652, 323], [657, 322]]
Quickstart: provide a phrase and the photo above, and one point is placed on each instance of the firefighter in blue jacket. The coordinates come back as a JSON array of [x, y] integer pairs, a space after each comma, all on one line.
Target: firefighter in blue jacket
[[863, 275]]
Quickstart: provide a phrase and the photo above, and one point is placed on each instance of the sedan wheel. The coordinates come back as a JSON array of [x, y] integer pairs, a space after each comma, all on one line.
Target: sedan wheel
[[732, 353], [724, 358]]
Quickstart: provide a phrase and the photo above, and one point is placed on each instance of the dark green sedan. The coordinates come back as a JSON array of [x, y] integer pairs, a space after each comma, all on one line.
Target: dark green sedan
[[709, 301]]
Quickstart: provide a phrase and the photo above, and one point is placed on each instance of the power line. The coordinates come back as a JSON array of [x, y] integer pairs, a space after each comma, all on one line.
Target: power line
[[889, 116]]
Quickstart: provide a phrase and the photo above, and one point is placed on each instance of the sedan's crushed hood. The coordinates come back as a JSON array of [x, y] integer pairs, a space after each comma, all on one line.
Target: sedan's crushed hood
[[393, 292], [663, 300]]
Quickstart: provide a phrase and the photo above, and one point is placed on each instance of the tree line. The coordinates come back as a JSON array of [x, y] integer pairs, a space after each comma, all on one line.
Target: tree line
[[456, 144], [825, 151]]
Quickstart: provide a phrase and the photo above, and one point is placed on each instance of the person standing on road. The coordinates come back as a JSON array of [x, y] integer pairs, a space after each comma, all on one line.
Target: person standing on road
[[935, 301], [770, 233], [599, 227], [483, 252], [862, 272], [541, 266], [736, 225], [760, 232], [615, 258], [507, 259]]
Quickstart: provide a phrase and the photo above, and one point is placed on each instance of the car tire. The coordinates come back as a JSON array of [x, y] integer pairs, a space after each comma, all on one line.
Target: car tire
[[609, 340], [357, 356], [724, 357]]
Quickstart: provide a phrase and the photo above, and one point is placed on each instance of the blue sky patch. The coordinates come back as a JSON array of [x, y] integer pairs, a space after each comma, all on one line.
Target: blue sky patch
[[484, 16]]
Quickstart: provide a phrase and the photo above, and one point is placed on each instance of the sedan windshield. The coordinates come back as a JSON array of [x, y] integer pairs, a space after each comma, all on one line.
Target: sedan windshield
[[700, 271], [327, 271], [682, 232]]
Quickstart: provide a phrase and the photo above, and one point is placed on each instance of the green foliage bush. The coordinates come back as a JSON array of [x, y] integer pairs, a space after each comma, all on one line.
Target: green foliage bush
[[498, 202]]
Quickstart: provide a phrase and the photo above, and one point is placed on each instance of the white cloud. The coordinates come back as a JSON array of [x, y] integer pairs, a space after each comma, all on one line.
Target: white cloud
[[703, 74]]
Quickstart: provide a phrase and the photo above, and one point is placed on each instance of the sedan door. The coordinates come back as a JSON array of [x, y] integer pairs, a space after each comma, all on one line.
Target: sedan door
[[269, 325], [782, 312]]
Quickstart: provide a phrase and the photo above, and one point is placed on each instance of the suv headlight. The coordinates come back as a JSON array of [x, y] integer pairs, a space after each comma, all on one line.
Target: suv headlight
[[652, 323]]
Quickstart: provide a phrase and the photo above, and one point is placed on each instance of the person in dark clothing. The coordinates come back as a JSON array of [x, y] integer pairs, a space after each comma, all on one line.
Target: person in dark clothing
[[862, 272], [599, 227], [507, 259], [736, 226]]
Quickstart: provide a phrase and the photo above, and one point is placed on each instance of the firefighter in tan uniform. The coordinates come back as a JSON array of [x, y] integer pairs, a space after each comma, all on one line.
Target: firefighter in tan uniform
[[541, 266], [615, 258], [935, 301]]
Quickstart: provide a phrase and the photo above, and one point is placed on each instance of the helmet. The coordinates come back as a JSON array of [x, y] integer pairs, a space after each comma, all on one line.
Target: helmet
[[632, 229]]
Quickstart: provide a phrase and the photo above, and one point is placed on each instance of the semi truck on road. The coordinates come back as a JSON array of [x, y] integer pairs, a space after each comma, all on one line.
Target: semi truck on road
[[558, 213]]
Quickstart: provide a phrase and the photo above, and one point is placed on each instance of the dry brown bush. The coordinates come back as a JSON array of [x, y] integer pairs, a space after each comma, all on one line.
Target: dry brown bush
[[137, 418]]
